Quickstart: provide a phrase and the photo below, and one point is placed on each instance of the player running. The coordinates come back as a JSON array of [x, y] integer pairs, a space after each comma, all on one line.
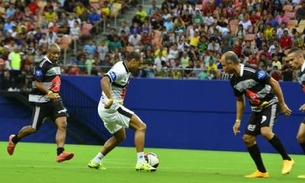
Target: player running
[[116, 117]]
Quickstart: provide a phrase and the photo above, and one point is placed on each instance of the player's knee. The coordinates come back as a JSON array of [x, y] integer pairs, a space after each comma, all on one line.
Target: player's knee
[[62, 125], [32, 130], [301, 138], [142, 127], [121, 138], [267, 133], [249, 140]]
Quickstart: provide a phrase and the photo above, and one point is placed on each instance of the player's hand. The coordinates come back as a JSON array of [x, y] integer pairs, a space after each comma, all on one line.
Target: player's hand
[[236, 128], [302, 108], [53, 96], [108, 104], [285, 110]]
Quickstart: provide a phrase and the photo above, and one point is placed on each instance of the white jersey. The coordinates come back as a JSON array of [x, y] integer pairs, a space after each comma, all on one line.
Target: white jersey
[[119, 78]]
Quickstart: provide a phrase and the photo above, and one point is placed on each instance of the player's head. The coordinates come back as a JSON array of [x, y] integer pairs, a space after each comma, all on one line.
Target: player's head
[[133, 61], [295, 58], [53, 52], [228, 61]]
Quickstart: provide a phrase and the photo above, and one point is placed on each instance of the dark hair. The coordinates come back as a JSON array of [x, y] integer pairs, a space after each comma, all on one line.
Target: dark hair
[[297, 51], [133, 55]]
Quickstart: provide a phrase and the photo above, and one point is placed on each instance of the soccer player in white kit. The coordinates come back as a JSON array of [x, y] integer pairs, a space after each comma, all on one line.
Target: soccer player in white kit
[[116, 117]]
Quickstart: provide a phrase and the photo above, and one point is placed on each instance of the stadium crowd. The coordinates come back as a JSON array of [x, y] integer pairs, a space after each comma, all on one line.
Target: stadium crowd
[[177, 38]]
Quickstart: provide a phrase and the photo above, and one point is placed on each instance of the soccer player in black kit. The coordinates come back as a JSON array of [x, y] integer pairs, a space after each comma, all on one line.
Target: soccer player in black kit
[[48, 104], [266, 99], [296, 61]]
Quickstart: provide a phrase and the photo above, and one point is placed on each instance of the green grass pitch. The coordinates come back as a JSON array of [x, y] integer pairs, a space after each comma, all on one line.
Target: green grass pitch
[[35, 163]]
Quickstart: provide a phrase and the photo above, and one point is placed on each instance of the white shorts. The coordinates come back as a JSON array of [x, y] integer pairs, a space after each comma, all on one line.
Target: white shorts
[[115, 119]]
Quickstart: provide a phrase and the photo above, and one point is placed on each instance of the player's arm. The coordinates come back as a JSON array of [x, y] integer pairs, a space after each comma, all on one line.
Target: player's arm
[[278, 92], [105, 84], [37, 81], [106, 81], [240, 107]]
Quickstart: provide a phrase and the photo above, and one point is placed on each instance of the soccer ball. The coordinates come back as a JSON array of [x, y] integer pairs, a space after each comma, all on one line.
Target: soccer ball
[[152, 159]]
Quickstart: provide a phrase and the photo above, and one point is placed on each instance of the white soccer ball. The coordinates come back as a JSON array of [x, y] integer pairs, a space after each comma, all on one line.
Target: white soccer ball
[[152, 159]]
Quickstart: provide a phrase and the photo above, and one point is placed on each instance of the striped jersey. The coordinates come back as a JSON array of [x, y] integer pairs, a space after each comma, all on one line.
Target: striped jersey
[[119, 77], [301, 77], [253, 83], [48, 73]]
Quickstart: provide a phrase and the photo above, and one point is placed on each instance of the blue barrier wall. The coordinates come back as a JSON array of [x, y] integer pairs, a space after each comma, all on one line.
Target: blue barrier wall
[[194, 114]]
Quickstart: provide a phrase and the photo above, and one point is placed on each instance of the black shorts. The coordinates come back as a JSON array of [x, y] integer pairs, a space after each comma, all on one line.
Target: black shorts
[[51, 110], [265, 118]]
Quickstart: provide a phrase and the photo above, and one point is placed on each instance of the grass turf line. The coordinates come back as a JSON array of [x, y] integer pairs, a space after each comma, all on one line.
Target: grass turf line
[[35, 163]]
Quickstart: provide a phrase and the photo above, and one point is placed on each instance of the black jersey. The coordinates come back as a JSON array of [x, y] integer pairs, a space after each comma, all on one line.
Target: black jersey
[[252, 83], [48, 73], [301, 77]]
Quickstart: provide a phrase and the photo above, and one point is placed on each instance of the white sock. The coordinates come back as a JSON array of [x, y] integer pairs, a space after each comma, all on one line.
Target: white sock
[[98, 158], [141, 158]]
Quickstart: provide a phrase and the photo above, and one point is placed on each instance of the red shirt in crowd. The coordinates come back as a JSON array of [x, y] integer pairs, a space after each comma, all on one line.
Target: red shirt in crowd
[[285, 41], [33, 7]]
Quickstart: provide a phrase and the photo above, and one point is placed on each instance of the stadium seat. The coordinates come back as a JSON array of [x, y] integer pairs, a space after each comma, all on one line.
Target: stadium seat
[[292, 24], [116, 8]]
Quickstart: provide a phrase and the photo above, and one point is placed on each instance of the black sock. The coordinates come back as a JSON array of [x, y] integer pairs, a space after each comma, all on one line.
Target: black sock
[[15, 139], [277, 144], [60, 150], [303, 147], [255, 154]]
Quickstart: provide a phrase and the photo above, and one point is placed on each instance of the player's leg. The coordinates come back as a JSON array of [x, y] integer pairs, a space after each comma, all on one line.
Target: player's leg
[[301, 135], [59, 116], [110, 144], [267, 121], [139, 139], [249, 138], [115, 124], [301, 140], [38, 116]]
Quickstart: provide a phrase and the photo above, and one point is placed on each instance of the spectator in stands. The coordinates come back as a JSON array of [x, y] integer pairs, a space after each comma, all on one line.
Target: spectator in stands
[[300, 13], [115, 44], [81, 11], [51, 36], [89, 64], [141, 13], [106, 64], [90, 48], [135, 40], [285, 41], [153, 8], [124, 28], [102, 51], [15, 61], [95, 19]]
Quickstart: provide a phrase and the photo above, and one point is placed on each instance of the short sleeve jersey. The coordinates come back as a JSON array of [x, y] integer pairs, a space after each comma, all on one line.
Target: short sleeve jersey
[[253, 83], [119, 77], [47, 73]]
